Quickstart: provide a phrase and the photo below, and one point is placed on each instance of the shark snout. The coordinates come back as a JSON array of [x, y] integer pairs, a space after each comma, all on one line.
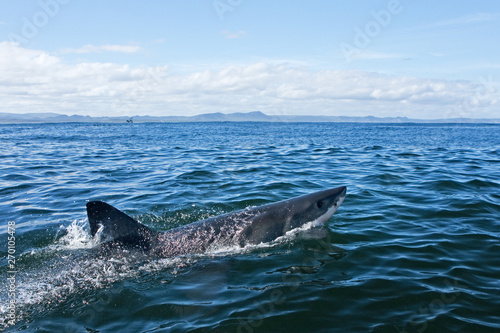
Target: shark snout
[[342, 195], [337, 195], [343, 191]]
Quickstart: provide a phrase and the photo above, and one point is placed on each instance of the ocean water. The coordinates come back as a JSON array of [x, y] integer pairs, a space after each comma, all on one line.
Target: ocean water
[[415, 247]]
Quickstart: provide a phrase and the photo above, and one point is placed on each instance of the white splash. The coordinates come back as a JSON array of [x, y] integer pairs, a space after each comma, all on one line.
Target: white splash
[[77, 237]]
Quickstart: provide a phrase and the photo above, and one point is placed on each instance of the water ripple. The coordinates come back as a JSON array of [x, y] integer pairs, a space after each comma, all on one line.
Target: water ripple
[[414, 247]]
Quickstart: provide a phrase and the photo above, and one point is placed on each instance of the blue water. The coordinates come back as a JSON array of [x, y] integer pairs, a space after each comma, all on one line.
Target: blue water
[[415, 247]]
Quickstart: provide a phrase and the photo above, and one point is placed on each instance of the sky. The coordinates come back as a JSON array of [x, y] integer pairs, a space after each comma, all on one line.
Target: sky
[[390, 58]]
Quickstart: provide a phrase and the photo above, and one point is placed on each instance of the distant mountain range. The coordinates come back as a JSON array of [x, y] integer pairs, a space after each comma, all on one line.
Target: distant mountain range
[[257, 116]]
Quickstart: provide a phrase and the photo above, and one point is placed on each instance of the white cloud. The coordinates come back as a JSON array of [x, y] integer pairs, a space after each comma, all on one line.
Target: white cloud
[[437, 54], [233, 35], [103, 48], [464, 20], [368, 55], [35, 81], [469, 19]]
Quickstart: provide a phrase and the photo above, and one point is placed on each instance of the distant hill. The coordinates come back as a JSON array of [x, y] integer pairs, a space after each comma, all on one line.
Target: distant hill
[[256, 116]]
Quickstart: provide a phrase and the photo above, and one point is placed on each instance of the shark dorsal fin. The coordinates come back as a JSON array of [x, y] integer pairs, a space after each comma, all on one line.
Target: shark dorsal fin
[[118, 226]]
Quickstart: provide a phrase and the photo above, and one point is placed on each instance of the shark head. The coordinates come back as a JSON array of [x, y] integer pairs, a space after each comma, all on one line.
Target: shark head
[[275, 220], [314, 208]]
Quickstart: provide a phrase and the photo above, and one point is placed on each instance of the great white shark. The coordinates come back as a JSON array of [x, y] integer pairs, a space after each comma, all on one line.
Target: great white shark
[[250, 226]]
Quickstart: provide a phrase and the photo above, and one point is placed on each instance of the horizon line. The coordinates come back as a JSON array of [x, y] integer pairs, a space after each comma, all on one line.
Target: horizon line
[[252, 116]]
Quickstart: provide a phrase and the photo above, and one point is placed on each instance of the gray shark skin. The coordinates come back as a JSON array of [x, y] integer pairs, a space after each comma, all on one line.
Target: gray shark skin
[[250, 226]]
